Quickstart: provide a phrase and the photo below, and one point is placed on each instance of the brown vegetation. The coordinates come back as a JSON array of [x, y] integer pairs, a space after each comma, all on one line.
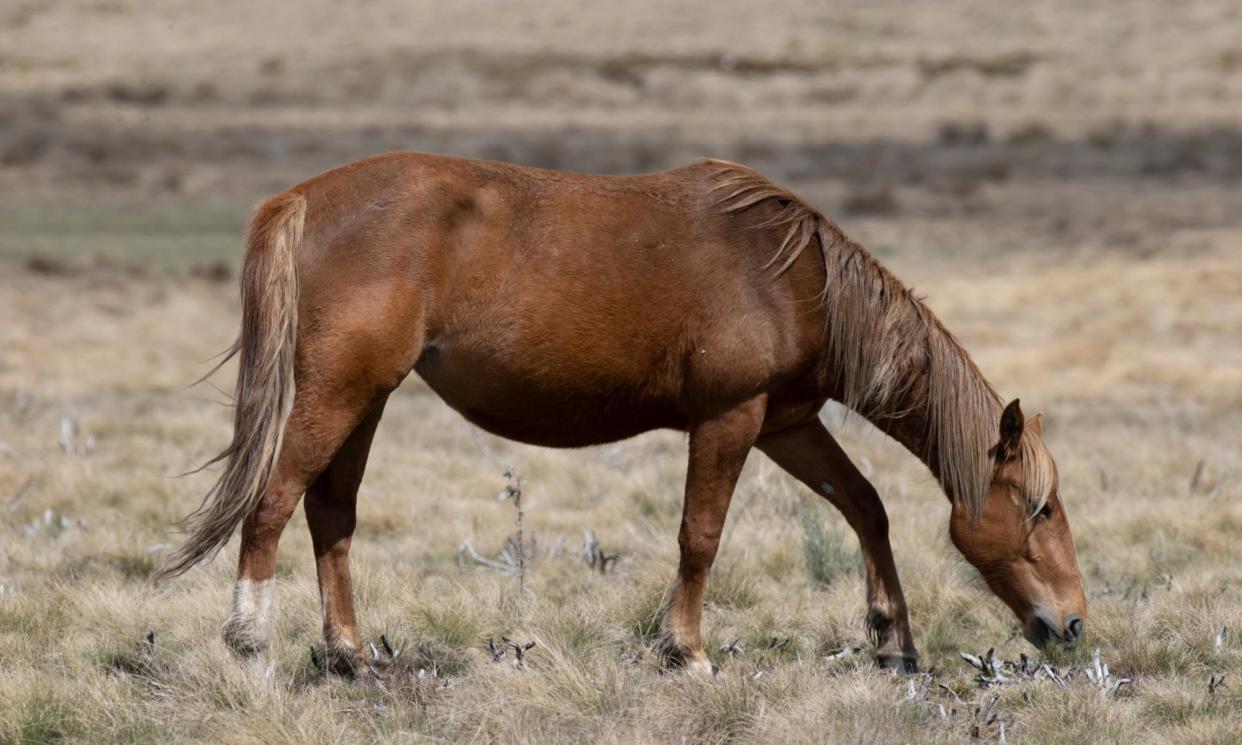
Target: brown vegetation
[[1059, 180]]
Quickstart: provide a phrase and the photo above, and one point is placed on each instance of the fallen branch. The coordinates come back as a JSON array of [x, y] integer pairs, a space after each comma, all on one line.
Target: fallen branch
[[989, 667], [1103, 680], [519, 650], [593, 555], [917, 693], [841, 653], [733, 648], [497, 650], [1214, 682], [466, 551]]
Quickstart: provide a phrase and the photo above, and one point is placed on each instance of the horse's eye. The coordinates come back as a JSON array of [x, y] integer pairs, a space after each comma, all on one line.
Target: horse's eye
[[1046, 510]]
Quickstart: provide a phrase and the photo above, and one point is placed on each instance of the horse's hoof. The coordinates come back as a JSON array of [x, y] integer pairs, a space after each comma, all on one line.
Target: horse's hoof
[[242, 640], [902, 663], [695, 667], [672, 657], [348, 666], [341, 660], [701, 668]]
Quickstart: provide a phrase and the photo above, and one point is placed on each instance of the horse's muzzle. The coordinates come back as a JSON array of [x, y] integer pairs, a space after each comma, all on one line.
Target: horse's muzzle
[[1039, 631]]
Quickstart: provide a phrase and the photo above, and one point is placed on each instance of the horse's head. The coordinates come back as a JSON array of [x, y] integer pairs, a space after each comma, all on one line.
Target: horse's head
[[1022, 544]]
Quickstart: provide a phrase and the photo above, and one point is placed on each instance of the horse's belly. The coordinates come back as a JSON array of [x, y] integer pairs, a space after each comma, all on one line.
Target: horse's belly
[[557, 409]]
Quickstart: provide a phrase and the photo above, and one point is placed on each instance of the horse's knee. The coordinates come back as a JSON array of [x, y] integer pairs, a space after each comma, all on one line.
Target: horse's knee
[[698, 550]]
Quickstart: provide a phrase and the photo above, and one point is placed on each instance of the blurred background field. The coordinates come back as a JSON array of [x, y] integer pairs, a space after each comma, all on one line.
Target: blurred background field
[[1061, 179]]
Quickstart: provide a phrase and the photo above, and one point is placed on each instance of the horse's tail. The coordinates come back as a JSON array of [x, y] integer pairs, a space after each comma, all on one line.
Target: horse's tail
[[265, 381]]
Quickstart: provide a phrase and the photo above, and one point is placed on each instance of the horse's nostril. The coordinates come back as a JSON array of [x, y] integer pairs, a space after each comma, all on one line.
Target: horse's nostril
[[1074, 628]]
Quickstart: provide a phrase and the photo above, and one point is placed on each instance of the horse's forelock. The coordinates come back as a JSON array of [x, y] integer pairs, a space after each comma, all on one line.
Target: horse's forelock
[[1039, 471]]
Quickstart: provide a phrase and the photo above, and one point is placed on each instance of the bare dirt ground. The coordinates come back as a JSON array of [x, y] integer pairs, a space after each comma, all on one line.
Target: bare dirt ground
[[1060, 179]]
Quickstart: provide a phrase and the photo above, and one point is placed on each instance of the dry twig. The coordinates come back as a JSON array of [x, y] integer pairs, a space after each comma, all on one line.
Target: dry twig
[[733, 648], [467, 551], [593, 555], [519, 650], [841, 653], [1215, 682]]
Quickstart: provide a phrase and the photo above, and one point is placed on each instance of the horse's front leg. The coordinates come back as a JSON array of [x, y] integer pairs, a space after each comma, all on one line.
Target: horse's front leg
[[718, 449], [810, 454]]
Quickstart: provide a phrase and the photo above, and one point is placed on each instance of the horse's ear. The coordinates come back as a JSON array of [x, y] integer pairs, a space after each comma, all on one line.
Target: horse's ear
[[1036, 424], [1011, 425]]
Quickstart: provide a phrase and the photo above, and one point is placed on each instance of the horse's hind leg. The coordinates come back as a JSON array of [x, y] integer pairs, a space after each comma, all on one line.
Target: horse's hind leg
[[339, 387], [330, 512], [312, 436], [810, 454]]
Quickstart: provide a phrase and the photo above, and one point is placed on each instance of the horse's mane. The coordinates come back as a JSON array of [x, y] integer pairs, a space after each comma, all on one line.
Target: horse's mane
[[884, 340]]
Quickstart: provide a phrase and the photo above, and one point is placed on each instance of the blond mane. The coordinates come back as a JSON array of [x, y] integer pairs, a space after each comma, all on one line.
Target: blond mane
[[884, 341]]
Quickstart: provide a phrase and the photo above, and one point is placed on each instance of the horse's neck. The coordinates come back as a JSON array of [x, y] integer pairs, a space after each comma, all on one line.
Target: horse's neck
[[910, 420], [888, 358], [908, 424]]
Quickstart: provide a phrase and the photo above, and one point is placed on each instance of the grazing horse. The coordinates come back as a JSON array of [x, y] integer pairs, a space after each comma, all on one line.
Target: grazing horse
[[565, 310]]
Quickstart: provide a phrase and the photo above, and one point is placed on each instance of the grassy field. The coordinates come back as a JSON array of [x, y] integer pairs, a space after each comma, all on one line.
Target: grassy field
[[1066, 200]]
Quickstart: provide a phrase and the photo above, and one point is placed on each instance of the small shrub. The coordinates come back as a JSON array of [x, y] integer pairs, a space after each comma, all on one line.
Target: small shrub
[[451, 634], [732, 586], [39, 720], [643, 617], [827, 558]]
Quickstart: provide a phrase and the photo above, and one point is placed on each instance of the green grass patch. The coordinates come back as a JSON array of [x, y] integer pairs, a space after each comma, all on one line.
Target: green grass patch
[[827, 557], [38, 720], [168, 237]]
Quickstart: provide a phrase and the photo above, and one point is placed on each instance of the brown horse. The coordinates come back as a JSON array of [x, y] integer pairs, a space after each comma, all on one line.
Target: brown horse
[[566, 310]]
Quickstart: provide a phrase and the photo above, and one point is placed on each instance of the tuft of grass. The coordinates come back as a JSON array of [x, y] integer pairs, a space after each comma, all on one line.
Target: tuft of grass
[[722, 710], [40, 719], [450, 634], [133, 567], [640, 613], [573, 635], [19, 621], [733, 585], [451, 625], [827, 557]]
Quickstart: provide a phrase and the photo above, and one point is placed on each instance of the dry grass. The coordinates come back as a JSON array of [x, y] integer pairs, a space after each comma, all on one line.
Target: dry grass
[[190, 98], [1132, 361], [1041, 173]]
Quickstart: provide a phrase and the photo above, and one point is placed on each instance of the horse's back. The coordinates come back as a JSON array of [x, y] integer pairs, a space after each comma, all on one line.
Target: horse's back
[[552, 307]]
